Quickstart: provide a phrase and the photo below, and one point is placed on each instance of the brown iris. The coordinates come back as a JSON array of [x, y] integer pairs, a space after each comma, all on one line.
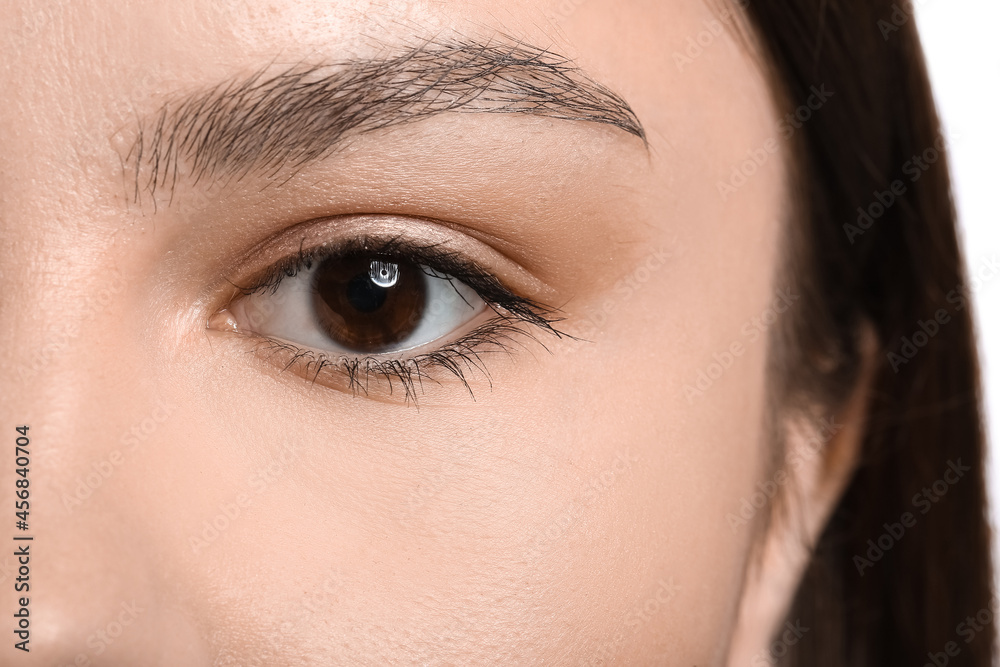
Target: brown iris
[[367, 303]]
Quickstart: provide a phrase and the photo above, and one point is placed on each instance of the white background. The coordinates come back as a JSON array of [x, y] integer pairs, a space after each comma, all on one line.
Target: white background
[[963, 52]]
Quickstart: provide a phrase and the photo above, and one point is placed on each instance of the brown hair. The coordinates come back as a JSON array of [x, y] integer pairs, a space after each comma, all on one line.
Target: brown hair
[[875, 245]]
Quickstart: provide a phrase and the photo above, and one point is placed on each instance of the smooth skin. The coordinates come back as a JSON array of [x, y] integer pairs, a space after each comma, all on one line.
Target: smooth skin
[[192, 503]]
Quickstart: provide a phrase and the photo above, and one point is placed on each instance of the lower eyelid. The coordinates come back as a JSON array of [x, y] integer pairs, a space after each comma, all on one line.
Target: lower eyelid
[[461, 363]]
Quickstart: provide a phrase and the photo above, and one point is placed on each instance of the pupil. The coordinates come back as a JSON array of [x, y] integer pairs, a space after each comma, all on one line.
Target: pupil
[[364, 295], [367, 303]]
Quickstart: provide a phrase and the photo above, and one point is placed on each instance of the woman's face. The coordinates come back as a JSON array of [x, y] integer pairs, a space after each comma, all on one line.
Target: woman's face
[[203, 494]]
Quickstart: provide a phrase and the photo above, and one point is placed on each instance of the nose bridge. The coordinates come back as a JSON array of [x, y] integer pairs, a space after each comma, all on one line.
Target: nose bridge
[[87, 588], [69, 573]]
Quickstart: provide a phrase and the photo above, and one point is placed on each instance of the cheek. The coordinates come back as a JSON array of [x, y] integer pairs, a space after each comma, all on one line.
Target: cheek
[[588, 521], [641, 392]]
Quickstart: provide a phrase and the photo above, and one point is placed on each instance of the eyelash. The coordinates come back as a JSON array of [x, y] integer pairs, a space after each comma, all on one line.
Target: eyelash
[[514, 314]]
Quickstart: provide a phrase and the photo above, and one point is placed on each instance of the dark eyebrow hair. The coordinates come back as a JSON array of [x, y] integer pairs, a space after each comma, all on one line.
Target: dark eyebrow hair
[[271, 122]]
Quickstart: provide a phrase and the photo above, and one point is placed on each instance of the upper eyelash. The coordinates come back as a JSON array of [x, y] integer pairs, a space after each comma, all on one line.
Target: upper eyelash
[[432, 255], [457, 357]]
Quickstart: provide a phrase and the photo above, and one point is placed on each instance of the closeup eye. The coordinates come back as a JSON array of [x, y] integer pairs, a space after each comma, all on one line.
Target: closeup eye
[[360, 303], [382, 309]]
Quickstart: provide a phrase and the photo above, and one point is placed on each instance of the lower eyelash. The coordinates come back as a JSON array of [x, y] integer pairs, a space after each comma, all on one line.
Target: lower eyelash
[[500, 334]]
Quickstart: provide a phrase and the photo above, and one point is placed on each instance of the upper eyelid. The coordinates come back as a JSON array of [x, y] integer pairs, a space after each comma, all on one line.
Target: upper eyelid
[[385, 247], [333, 230]]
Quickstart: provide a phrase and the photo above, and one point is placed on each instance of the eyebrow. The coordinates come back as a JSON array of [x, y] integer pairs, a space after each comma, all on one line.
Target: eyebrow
[[268, 123]]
